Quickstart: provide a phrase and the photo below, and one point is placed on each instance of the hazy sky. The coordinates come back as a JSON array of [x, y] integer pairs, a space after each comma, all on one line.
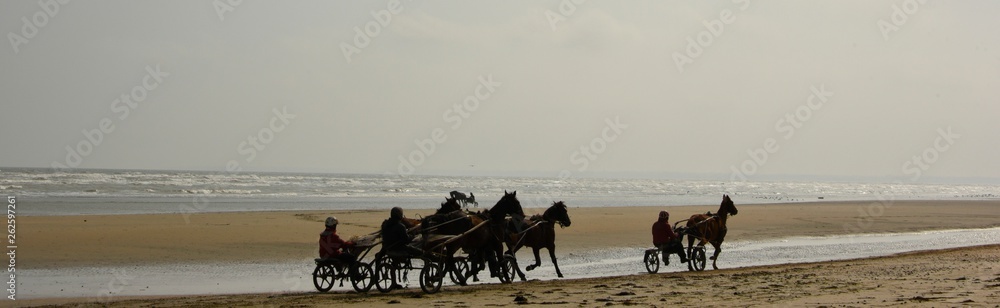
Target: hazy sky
[[690, 85]]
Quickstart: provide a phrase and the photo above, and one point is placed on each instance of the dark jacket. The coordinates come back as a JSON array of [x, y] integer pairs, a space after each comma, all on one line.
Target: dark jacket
[[330, 244], [394, 235], [662, 233]]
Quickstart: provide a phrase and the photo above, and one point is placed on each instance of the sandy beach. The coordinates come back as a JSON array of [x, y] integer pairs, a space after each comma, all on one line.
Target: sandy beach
[[53, 242]]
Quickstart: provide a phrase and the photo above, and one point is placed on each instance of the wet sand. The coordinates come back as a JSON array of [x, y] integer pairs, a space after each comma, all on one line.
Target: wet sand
[[53, 242]]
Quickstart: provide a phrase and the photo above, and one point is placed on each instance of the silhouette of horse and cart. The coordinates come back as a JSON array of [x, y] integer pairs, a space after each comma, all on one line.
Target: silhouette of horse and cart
[[706, 228], [480, 237], [443, 235]]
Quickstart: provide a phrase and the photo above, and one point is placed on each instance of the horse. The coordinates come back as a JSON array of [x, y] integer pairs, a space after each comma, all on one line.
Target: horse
[[465, 200], [507, 205], [710, 228], [449, 205], [481, 242], [541, 234]]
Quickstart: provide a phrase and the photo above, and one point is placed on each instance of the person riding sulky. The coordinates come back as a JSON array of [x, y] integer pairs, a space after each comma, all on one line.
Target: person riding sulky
[[395, 239], [665, 239], [331, 246]]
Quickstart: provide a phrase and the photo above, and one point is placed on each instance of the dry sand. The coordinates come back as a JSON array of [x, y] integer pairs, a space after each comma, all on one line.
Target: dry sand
[[68, 241]]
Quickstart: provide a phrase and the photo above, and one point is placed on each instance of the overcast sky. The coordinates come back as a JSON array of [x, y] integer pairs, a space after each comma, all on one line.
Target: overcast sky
[[645, 86]]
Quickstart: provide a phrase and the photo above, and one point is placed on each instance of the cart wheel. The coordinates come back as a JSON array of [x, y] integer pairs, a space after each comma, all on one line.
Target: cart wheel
[[431, 276], [383, 274], [698, 258], [652, 261], [460, 271], [323, 277], [363, 279], [508, 269]]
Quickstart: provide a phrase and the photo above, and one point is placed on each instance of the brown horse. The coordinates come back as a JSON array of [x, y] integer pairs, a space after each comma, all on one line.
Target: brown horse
[[710, 228], [482, 243], [541, 234]]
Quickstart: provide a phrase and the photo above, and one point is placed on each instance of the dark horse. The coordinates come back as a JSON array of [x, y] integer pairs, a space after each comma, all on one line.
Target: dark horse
[[711, 228], [465, 200], [541, 234], [481, 242]]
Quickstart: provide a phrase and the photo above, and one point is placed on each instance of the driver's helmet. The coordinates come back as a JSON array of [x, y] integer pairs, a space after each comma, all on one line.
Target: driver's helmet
[[396, 213]]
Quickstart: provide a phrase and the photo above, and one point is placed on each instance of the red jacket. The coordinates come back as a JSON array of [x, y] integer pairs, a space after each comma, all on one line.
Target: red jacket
[[330, 244], [662, 232]]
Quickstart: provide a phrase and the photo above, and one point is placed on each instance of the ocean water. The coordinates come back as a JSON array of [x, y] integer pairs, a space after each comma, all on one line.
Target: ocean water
[[45, 192]]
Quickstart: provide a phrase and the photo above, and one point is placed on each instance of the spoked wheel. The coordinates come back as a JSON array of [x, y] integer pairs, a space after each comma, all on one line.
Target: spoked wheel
[[383, 274], [431, 276], [323, 277], [508, 269], [460, 271], [652, 261], [363, 278], [698, 258]]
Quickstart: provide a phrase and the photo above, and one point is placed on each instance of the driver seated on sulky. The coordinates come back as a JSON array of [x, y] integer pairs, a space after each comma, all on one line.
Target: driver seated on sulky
[[395, 240], [665, 239], [331, 246]]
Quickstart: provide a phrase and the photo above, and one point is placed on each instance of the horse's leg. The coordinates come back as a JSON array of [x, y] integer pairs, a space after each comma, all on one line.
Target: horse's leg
[[689, 250], [520, 274], [715, 256], [476, 264], [538, 260], [718, 245], [552, 255]]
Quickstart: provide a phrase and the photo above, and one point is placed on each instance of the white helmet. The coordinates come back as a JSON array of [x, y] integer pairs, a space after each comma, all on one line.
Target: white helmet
[[332, 221]]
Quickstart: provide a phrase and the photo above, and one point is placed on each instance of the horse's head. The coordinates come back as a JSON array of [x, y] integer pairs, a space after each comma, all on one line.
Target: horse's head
[[508, 204], [557, 213], [727, 206], [449, 205]]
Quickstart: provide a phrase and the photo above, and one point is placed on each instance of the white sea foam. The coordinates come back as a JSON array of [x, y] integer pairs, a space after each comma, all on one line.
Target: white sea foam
[[143, 186]]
